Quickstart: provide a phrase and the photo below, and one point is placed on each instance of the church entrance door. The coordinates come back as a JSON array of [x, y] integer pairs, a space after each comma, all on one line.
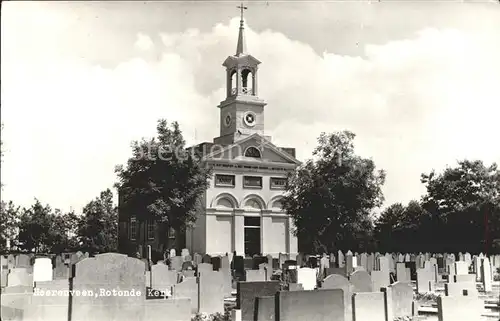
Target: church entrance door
[[252, 235]]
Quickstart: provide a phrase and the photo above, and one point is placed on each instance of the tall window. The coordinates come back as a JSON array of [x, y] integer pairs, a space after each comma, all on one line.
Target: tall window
[[151, 229], [133, 228]]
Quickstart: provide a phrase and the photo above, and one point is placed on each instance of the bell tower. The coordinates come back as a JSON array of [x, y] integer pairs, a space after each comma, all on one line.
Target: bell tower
[[242, 112]]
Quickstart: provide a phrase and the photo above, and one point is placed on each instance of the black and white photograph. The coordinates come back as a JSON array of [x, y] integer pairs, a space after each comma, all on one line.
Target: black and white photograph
[[250, 161]]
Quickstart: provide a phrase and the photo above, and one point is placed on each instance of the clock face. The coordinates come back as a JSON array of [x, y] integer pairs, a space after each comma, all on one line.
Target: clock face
[[250, 119], [227, 120]]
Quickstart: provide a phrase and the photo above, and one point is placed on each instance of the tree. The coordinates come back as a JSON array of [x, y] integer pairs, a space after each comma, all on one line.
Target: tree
[[98, 228], [464, 204], [331, 197], [63, 232], [162, 180], [35, 228], [402, 228], [9, 214]]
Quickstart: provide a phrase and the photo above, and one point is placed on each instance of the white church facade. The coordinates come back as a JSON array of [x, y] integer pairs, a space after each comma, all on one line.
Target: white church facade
[[241, 210]]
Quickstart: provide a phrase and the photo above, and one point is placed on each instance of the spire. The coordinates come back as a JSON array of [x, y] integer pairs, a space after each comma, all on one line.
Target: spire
[[241, 48]]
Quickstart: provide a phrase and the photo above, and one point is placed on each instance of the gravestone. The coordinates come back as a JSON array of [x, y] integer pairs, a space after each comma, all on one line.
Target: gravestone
[[349, 266], [264, 308], [425, 280], [104, 274], [486, 275], [380, 279], [461, 268], [295, 287], [19, 277], [238, 266], [255, 275], [460, 288], [23, 261], [187, 266], [364, 261], [61, 270], [207, 259], [216, 262], [282, 257], [401, 295], [307, 277], [370, 263], [339, 271], [383, 264], [361, 281], [332, 259], [185, 254], [11, 261], [205, 267], [403, 273], [310, 305], [340, 282], [3, 262], [188, 288], [197, 259], [162, 277], [176, 263], [341, 259], [225, 263], [368, 306], [211, 292], [300, 259], [42, 270], [459, 308], [247, 292]]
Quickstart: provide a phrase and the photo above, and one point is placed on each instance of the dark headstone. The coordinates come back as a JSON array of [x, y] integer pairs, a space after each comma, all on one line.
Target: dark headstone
[[206, 259], [257, 261], [248, 291], [312, 262], [413, 269], [248, 263], [216, 262]]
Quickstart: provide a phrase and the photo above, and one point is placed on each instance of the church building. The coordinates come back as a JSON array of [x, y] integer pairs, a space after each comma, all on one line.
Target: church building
[[241, 209], [242, 204]]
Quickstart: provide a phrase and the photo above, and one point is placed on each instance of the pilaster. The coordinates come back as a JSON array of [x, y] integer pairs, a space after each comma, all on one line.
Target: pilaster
[[239, 232]]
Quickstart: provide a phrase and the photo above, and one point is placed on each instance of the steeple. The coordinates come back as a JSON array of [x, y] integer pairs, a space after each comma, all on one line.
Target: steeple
[[242, 112], [241, 48]]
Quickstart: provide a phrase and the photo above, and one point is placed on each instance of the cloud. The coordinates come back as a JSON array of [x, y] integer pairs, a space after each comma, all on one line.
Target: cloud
[[144, 42], [415, 104]]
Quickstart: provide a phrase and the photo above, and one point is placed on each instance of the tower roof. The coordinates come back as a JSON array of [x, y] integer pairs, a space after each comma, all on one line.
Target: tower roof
[[241, 47]]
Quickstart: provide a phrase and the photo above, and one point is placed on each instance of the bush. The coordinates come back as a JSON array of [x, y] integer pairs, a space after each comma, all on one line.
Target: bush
[[226, 316]]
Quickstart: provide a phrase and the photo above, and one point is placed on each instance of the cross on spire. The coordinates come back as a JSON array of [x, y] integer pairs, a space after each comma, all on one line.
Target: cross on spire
[[241, 7], [241, 47]]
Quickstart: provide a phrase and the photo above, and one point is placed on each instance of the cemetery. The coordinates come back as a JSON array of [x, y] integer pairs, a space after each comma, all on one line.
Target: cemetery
[[238, 229], [340, 286]]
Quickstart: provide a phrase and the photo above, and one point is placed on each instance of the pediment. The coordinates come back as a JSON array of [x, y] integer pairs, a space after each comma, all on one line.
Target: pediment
[[269, 153]]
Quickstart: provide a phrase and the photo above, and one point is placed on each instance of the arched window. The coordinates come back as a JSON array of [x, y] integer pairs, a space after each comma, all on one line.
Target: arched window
[[252, 152], [233, 82], [247, 81]]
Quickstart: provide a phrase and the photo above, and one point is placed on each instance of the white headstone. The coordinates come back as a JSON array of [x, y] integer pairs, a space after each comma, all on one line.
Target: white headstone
[[307, 277], [42, 270], [486, 275]]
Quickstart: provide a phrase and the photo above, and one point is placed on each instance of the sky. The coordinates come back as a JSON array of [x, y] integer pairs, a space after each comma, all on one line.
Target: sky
[[416, 81]]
